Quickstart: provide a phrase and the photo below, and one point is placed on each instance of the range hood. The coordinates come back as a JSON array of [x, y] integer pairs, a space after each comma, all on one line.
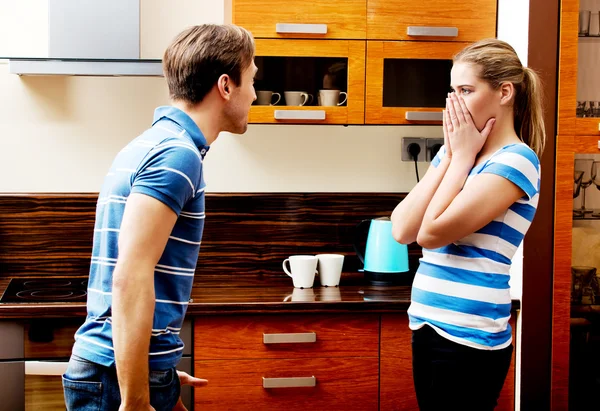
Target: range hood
[[91, 38]]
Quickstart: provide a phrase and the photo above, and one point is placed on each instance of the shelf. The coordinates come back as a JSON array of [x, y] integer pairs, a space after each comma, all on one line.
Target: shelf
[[589, 39], [594, 215]]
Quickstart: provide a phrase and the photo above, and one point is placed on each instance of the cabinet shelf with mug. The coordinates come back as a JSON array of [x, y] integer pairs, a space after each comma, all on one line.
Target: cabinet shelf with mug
[[408, 81], [306, 81]]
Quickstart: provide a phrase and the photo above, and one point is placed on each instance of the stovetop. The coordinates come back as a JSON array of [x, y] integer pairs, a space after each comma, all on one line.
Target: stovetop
[[45, 290]]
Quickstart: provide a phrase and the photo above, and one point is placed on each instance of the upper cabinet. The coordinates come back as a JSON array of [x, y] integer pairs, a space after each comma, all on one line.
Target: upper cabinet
[[302, 18], [305, 81], [407, 81], [457, 20], [358, 61]]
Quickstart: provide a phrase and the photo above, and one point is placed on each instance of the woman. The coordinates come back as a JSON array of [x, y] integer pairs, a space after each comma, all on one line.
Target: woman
[[470, 212]]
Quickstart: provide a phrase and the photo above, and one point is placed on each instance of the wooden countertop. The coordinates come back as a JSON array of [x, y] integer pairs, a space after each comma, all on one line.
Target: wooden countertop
[[226, 295]]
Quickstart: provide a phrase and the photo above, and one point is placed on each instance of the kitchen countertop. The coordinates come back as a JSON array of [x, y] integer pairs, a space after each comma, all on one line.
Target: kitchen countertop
[[222, 295]]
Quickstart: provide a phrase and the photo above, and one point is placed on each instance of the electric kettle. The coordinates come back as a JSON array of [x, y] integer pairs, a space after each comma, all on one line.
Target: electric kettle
[[384, 258]]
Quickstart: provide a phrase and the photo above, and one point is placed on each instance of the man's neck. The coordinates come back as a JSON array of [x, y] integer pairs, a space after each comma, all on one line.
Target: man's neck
[[204, 115]]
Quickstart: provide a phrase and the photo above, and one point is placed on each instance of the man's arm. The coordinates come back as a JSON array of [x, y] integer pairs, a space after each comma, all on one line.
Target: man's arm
[[145, 229]]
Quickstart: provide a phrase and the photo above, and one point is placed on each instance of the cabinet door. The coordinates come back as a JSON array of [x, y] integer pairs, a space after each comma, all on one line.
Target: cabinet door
[[408, 82], [397, 390], [287, 336], [302, 18], [289, 384], [301, 68], [457, 20], [579, 83]]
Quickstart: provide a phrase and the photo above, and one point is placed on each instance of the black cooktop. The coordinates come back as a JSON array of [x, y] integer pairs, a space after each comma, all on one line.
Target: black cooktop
[[45, 290]]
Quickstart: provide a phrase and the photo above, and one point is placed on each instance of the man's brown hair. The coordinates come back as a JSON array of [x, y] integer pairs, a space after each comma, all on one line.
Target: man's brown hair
[[201, 54]]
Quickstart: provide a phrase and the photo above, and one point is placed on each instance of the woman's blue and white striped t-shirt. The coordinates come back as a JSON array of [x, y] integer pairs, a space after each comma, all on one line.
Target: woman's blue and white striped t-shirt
[[461, 290]]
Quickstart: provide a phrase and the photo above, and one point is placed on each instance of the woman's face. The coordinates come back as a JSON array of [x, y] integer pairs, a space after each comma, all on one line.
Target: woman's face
[[482, 101]]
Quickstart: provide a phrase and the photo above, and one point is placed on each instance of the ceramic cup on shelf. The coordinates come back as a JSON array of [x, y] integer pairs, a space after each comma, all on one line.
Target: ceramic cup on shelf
[[302, 270], [332, 97], [297, 98], [265, 98]]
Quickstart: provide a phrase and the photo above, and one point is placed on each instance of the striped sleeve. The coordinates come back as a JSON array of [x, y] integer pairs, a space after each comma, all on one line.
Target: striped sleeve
[[170, 173], [518, 164], [439, 156]]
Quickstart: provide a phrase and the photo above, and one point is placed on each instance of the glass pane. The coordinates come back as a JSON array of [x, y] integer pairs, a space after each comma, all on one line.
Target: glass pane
[[290, 77], [588, 81], [584, 373], [416, 82]]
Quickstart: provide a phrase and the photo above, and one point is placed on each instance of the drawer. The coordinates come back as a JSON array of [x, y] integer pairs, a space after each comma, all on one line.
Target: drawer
[[456, 20], [302, 18], [282, 336], [339, 384], [50, 338]]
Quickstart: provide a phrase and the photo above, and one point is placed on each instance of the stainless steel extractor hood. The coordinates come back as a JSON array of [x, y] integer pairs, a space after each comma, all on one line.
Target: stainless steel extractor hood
[[91, 38]]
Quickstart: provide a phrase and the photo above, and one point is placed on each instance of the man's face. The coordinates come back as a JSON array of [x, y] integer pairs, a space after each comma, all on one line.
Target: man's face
[[238, 107]]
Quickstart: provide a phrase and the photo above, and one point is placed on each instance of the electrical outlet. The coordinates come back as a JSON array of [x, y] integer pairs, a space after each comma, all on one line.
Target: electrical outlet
[[406, 141], [430, 143]]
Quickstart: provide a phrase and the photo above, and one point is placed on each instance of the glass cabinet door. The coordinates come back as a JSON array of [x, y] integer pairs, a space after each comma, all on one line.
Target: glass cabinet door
[[584, 321], [408, 82], [307, 81]]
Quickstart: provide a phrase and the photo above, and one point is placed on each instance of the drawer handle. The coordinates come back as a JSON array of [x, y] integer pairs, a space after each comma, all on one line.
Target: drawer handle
[[289, 382], [45, 367], [421, 31], [289, 338], [424, 115], [299, 114], [289, 28]]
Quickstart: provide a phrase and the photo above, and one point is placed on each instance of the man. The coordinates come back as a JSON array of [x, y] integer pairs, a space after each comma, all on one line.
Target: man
[[149, 222]]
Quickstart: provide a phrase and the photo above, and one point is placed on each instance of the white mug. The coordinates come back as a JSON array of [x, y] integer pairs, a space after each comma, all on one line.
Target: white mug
[[297, 98], [302, 270], [330, 269], [265, 98], [332, 97]]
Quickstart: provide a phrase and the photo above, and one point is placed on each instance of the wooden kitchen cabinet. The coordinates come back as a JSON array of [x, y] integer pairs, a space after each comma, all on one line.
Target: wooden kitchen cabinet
[[407, 81], [578, 133], [397, 392], [308, 66], [457, 20], [301, 18], [339, 384], [578, 76], [357, 362], [333, 363]]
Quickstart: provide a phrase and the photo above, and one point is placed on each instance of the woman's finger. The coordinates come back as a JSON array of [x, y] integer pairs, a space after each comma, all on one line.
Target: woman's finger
[[460, 116], [465, 110], [452, 114]]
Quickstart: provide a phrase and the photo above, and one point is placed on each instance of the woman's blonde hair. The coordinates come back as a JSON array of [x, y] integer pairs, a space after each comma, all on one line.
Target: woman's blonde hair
[[499, 63]]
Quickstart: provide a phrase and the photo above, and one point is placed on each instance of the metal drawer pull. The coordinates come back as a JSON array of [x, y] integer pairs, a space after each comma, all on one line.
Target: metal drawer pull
[[45, 368], [424, 115], [289, 338], [299, 114], [289, 28], [289, 382], [420, 31]]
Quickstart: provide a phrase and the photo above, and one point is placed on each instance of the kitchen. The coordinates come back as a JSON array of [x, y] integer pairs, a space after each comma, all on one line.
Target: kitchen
[[60, 125]]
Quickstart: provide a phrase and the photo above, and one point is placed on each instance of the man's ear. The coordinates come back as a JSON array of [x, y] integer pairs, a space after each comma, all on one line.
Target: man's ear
[[224, 85], [507, 92]]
